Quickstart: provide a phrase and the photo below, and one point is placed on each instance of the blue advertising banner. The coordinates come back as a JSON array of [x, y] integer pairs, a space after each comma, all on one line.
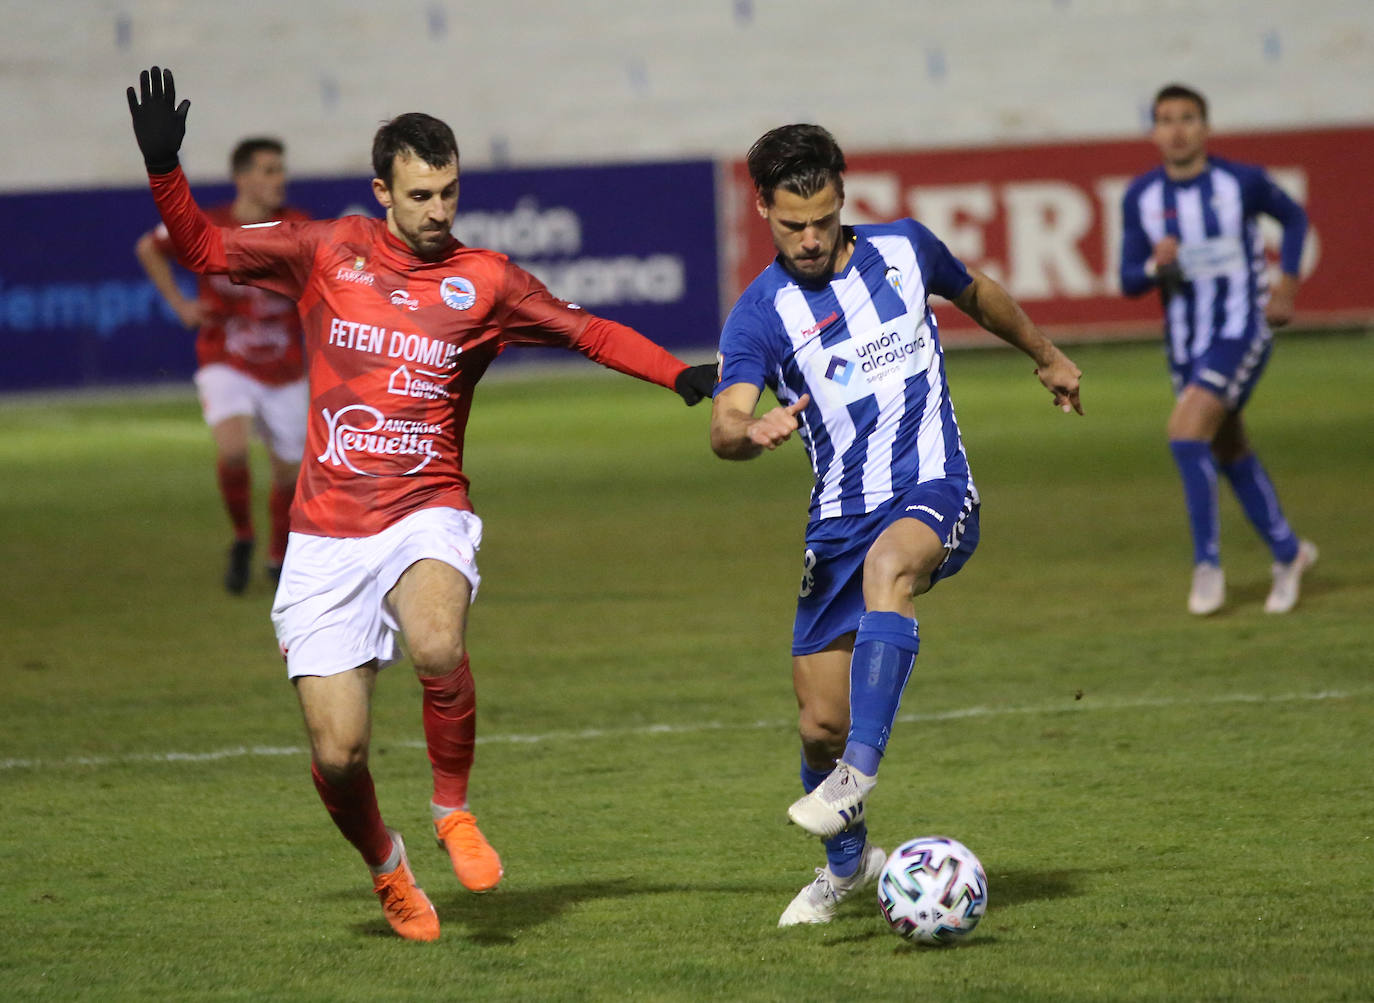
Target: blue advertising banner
[[635, 243]]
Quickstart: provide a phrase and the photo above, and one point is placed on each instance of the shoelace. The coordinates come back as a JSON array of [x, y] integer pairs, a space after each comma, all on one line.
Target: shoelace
[[464, 832], [393, 891]]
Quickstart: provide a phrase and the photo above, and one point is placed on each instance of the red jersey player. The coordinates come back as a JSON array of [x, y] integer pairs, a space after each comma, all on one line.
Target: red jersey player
[[400, 321], [248, 352]]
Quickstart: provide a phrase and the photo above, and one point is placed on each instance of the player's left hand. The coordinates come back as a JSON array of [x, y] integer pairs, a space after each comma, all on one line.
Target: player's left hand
[[1060, 377], [159, 122], [695, 383], [1282, 301]]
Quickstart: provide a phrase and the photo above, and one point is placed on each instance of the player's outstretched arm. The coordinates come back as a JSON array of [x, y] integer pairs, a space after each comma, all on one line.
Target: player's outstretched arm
[[995, 311], [737, 435]]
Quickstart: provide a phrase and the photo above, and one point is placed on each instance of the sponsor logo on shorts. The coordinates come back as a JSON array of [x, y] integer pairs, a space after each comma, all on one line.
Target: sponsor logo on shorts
[[457, 292], [362, 439]]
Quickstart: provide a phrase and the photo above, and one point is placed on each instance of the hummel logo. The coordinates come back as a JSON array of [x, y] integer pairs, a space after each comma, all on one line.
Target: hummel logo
[[928, 510], [820, 325]]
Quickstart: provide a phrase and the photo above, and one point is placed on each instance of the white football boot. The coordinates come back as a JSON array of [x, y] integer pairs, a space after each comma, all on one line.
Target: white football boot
[[1283, 596], [817, 902], [836, 804], [1208, 593]]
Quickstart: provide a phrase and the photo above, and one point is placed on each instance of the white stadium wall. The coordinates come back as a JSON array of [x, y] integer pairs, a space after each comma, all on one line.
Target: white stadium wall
[[527, 82]]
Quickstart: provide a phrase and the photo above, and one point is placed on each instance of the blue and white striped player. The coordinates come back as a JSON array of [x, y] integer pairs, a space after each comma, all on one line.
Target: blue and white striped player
[[1191, 229], [839, 329]]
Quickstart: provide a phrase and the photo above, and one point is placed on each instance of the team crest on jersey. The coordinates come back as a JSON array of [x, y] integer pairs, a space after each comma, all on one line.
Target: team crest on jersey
[[359, 263], [894, 279], [457, 292]]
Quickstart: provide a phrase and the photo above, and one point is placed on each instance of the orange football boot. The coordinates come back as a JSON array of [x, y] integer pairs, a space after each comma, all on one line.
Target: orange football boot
[[405, 903], [474, 861]]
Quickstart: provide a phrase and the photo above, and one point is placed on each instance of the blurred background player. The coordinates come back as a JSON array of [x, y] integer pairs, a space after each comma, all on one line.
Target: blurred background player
[[838, 327], [1191, 229], [400, 322], [248, 350]]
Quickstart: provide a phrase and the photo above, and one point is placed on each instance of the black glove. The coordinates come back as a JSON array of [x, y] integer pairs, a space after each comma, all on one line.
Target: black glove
[[695, 382], [158, 124], [1169, 277]]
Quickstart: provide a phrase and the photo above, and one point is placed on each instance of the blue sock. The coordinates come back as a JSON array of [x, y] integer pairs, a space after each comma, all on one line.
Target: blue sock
[[1199, 473], [1257, 496], [884, 653], [842, 852]]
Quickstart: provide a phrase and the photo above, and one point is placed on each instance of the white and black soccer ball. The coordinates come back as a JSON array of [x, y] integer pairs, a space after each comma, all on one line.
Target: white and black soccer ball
[[933, 890]]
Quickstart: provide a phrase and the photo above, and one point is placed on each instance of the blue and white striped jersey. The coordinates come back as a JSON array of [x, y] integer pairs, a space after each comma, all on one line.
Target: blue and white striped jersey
[[1214, 218], [866, 348]]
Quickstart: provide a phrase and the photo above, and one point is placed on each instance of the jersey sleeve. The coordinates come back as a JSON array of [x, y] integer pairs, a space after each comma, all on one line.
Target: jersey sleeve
[[944, 274], [275, 256], [1267, 197], [198, 243], [744, 355], [531, 315], [1135, 247]]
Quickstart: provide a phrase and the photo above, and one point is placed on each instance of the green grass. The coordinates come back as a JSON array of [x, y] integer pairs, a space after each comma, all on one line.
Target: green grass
[[1167, 808]]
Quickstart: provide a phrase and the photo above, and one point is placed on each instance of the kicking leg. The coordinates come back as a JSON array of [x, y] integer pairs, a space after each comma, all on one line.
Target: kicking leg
[[898, 567], [431, 603]]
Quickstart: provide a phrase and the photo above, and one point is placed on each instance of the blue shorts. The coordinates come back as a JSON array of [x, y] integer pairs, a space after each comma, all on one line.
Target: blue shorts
[[1230, 368], [831, 598]]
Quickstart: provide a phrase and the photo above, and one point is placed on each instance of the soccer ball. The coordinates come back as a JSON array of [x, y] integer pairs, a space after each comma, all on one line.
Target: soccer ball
[[933, 890]]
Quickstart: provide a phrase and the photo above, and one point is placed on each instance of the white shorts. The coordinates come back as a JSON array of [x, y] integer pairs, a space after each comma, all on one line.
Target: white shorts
[[331, 613], [278, 412]]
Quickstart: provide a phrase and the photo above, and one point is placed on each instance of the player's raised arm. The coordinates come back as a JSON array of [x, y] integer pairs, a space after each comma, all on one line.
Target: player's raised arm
[[159, 127], [737, 435], [995, 311]]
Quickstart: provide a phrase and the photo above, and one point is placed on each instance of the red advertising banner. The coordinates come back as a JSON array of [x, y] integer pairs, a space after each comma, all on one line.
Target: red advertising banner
[[1045, 221]]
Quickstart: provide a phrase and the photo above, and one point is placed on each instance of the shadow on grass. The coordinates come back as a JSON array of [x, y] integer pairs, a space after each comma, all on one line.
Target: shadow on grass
[[1017, 887], [495, 919]]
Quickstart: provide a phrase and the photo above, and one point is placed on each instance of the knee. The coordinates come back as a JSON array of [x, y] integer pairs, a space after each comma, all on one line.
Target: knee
[[893, 578], [339, 759], [437, 654], [823, 736]]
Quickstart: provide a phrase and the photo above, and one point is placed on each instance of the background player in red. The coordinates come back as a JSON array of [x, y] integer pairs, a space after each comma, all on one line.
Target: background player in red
[[248, 350], [400, 321]]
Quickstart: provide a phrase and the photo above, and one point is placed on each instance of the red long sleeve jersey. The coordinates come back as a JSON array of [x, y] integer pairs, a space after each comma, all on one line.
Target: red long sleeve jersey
[[394, 348]]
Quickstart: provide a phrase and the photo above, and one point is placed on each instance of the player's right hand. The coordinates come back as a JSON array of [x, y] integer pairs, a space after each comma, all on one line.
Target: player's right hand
[[773, 428], [159, 123]]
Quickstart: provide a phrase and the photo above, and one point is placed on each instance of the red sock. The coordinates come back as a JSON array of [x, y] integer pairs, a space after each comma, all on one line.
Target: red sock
[[279, 505], [450, 715], [353, 807], [235, 487]]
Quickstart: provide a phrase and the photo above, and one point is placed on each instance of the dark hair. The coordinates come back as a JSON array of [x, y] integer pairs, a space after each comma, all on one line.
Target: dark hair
[[801, 159], [242, 157], [414, 134], [1172, 91]]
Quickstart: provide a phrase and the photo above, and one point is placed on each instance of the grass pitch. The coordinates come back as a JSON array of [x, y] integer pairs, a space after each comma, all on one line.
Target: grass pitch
[[1167, 808]]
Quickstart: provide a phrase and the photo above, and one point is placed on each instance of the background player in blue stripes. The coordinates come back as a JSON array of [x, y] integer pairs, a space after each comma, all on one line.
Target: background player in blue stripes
[[1190, 228], [839, 328]]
